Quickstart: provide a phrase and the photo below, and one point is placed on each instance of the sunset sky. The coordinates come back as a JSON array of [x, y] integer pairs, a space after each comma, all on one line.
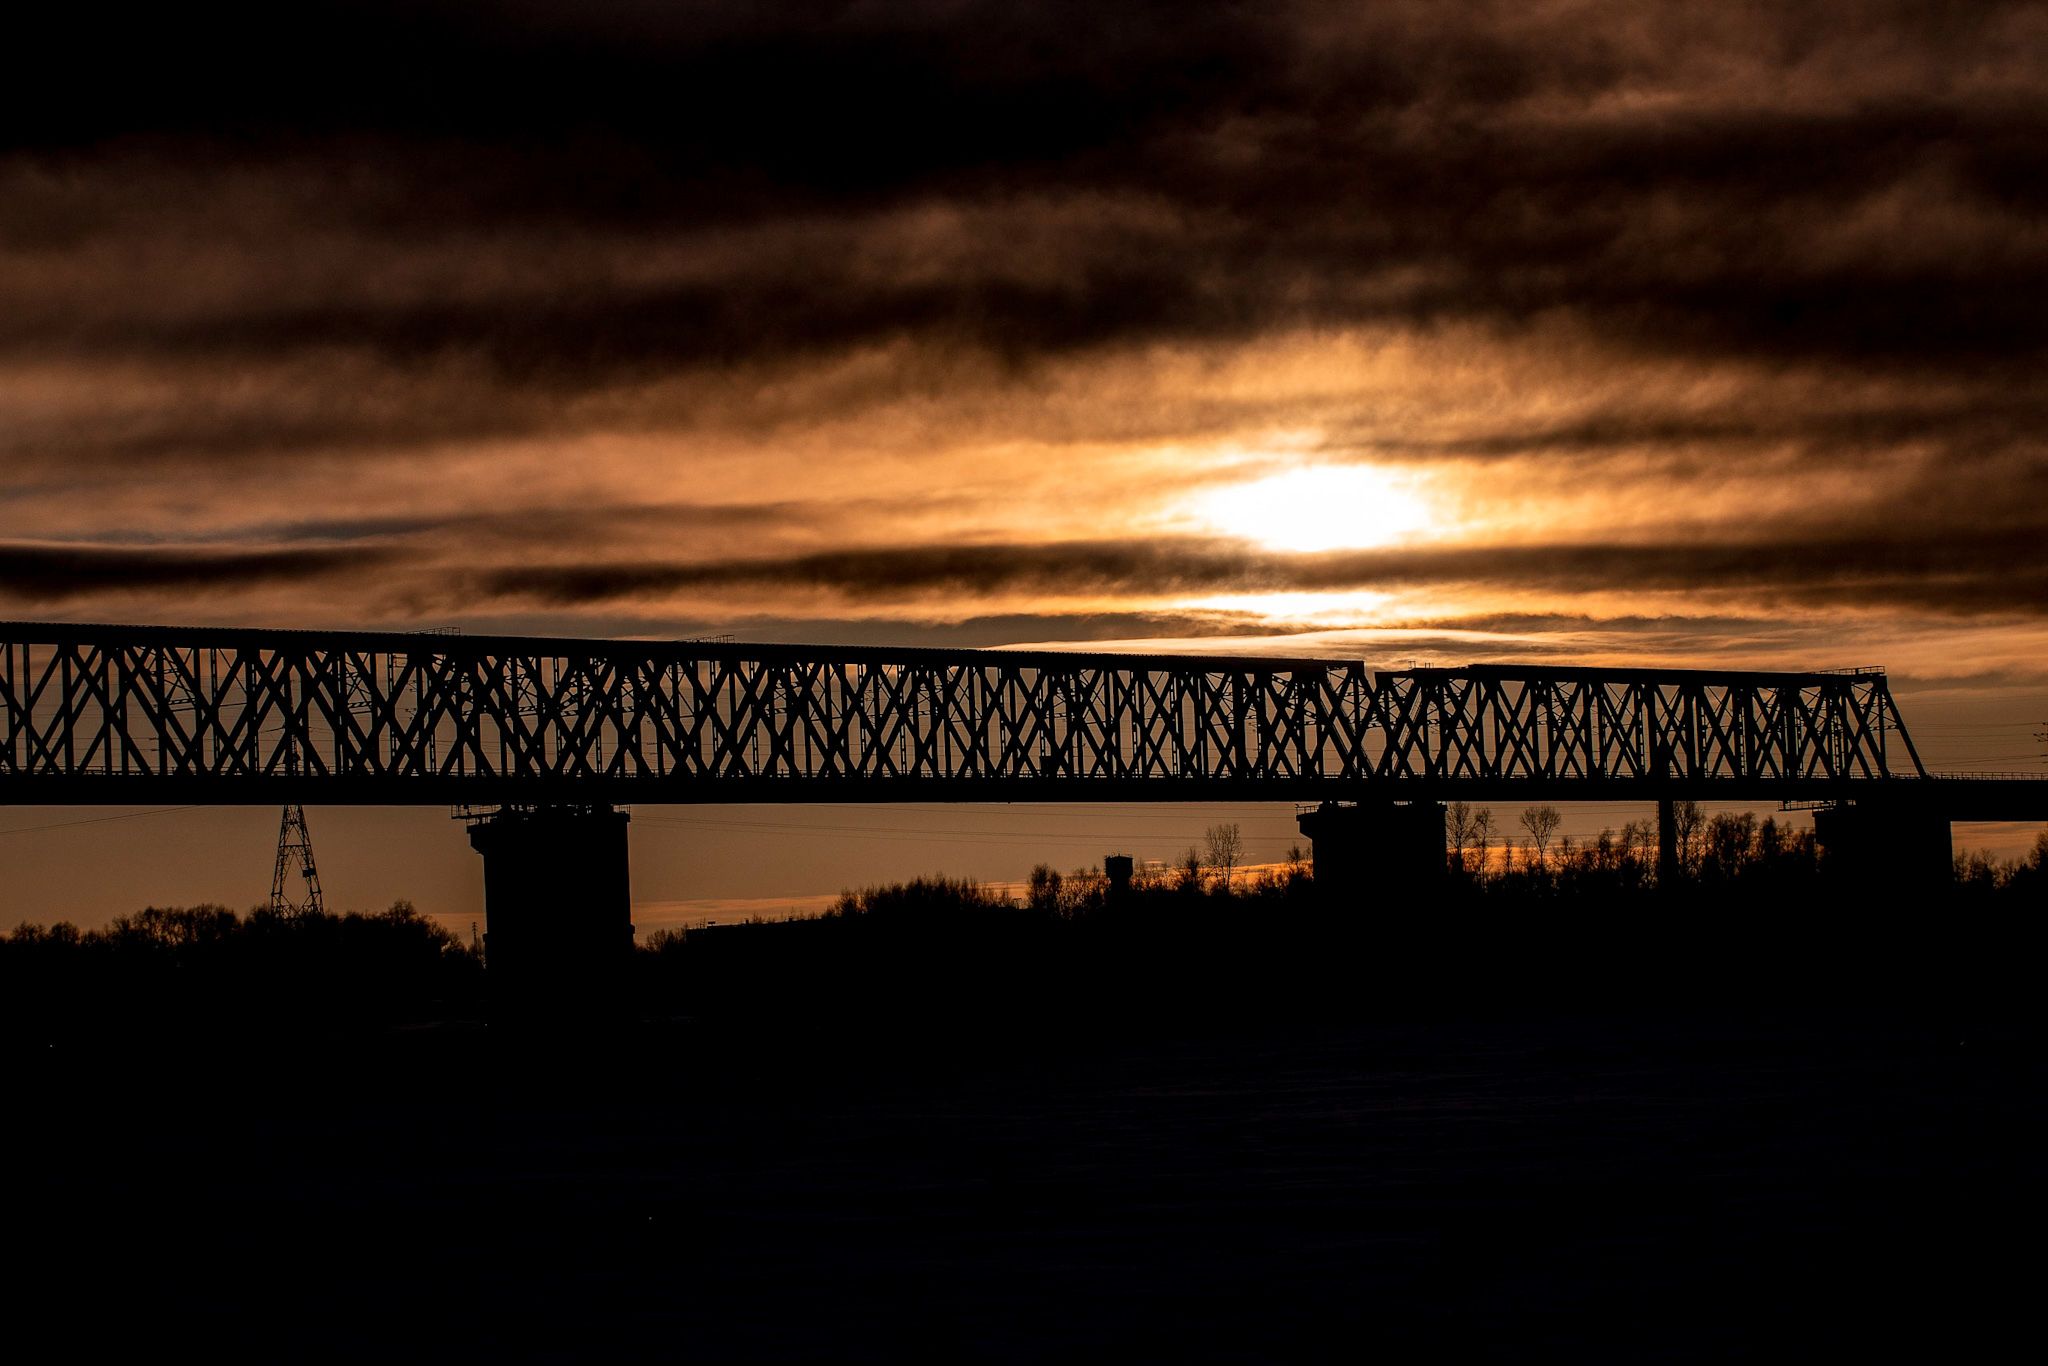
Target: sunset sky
[[1596, 332]]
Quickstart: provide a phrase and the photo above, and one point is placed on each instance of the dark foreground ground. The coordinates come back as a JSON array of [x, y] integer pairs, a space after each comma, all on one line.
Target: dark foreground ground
[[1625, 1186]]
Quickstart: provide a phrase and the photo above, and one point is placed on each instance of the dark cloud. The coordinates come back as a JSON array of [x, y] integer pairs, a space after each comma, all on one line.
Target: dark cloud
[[38, 574], [2002, 572], [1990, 421], [1826, 179], [633, 106], [487, 531]]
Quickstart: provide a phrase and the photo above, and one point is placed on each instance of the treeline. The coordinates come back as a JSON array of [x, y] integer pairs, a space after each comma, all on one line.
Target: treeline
[[1753, 913], [1723, 853], [204, 965], [1720, 853], [1752, 909]]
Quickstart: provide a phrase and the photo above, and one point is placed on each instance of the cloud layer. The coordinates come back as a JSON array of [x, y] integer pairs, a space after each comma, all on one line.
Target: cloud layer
[[942, 312]]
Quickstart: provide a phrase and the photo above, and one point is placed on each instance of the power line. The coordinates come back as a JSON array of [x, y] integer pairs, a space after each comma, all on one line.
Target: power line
[[963, 836], [1274, 808], [713, 824], [95, 820]]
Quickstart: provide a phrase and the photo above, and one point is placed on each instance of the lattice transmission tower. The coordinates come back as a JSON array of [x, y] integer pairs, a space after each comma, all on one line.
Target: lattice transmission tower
[[295, 863]]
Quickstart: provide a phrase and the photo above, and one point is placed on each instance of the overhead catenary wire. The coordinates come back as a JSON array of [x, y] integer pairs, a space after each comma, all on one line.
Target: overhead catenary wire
[[96, 820], [940, 836]]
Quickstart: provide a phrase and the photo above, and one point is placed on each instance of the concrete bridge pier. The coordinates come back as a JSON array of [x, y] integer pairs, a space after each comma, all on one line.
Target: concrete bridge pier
[[1375, 850], [558, 907], [1886, 846]]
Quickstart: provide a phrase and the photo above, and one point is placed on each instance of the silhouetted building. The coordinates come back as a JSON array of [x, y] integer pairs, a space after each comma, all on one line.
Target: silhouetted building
[[1117, 868]]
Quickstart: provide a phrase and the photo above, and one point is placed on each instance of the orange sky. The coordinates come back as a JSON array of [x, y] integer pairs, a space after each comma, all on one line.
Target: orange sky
[[1608, 332]]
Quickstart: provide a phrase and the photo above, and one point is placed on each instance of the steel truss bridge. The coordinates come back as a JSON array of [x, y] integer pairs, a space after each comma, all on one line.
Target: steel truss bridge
[[140, 714]]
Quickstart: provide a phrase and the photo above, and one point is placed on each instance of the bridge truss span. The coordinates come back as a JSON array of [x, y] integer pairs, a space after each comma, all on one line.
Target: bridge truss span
[[1491, 722], [139, 714]]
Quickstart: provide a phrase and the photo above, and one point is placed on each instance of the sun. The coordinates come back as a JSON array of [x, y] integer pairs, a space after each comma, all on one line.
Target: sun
[[1320, 507]]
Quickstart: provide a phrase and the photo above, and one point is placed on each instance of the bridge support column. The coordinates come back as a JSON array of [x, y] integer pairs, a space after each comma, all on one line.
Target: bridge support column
[[1887, 847], [1375, 850], [558, 907]]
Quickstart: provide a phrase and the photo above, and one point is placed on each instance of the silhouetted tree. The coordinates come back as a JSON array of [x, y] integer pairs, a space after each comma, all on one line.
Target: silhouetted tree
[[1458, 829], [1043, 889], [1686, 822], [1541, 822], [1974, 869], [1083, 892], [196, 962], [1483, 831], [1730, 840], [1226, 850], [1639, 840], [921, 898]]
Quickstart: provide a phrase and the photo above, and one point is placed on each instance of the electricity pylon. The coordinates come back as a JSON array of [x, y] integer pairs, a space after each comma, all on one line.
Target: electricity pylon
[[295, 846]]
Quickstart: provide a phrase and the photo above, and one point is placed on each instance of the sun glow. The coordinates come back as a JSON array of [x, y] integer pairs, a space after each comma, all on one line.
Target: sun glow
[[1322, 507]]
